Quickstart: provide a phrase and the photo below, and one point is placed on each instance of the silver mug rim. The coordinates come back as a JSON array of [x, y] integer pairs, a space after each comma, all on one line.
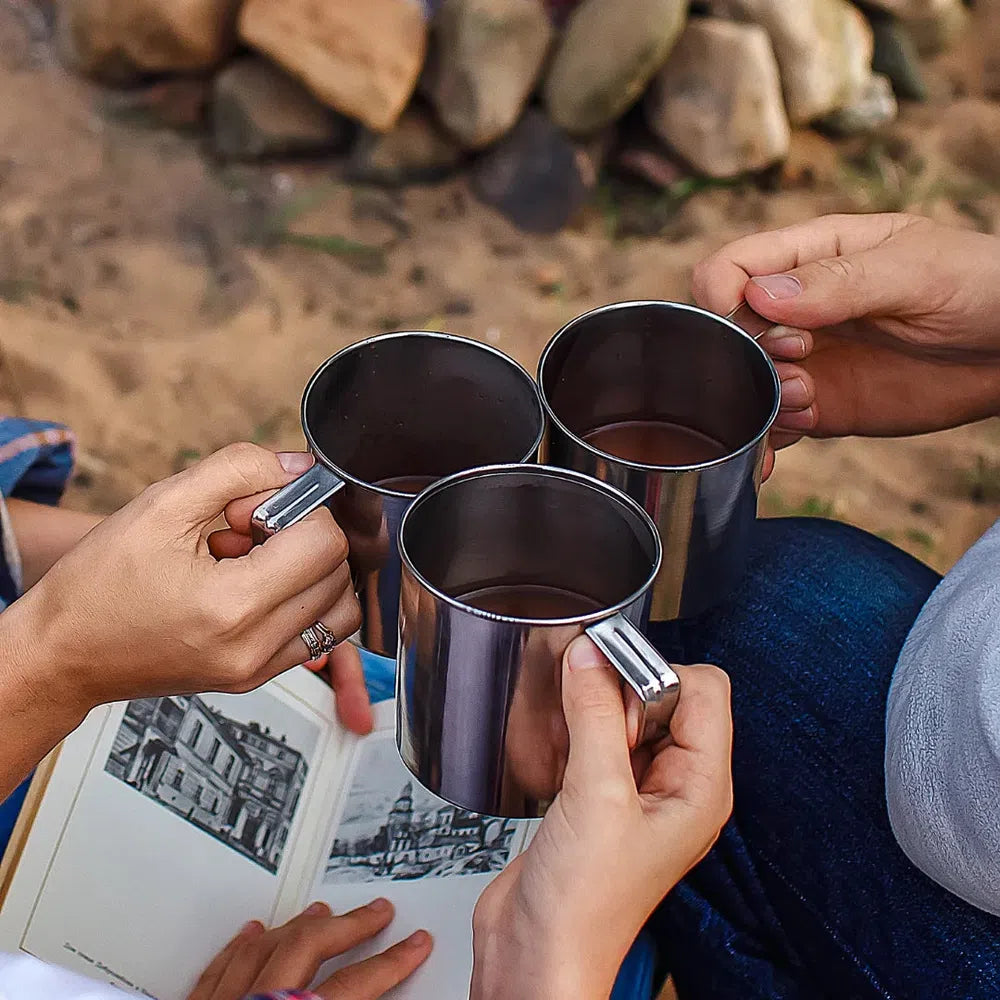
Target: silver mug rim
[[542, 471], [567, 328], [341, 473]]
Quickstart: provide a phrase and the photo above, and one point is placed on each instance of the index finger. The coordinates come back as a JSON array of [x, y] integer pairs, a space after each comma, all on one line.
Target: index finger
[[286, 564], [718, 282], [200, 494], [209, 979], [375, 976], [696, 764]]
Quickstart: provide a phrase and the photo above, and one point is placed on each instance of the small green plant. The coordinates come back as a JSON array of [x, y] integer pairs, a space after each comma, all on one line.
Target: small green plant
[[982, 482], [921, 538]]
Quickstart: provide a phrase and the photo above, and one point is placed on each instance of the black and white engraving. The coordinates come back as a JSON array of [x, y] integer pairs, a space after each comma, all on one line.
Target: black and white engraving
[[393, 828], [219, 762]]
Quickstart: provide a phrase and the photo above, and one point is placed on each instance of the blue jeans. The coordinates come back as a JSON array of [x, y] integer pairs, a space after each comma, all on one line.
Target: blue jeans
[[807, 895]]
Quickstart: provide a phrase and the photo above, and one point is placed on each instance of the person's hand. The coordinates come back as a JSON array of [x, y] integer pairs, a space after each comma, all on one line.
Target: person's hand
[[289, 957], [141, 607], [619, 835], [887, 324], [368, 540]]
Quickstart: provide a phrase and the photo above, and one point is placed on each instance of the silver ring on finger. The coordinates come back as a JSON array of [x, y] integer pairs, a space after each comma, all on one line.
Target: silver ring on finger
[[319, 640], [313, 643], [327, 639]]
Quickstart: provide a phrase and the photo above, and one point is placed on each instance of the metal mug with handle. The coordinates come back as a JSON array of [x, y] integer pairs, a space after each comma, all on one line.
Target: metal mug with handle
[[502, 568], [386, 417], [656, 370]]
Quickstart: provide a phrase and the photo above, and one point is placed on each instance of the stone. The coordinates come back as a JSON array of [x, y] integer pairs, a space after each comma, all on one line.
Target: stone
[[871, 108], [896, 57], [120, 40], [178, 102], [938, 26], [608, 53], [717, 102], [484, 61], [534, 176], [932, 24], [417, 150], [812, 161], [259, 111], [359, 58], [650, 163], [823, 47]]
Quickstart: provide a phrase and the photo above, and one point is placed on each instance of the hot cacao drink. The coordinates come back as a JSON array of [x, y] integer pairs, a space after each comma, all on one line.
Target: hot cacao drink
[[530, 601], [655, 442]]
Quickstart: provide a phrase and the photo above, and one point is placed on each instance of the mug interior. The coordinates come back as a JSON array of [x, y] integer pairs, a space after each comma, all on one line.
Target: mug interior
[[660, 362], [534, 527], [420, 406]]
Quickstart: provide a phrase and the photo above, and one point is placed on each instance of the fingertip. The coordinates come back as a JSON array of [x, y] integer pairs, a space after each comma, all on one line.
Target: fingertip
[[357, 716], [420, 941], [582, 654], [786, 343]]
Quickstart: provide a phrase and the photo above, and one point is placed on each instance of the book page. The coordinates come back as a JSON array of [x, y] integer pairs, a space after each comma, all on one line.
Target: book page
[[168, 823], [391, 837]]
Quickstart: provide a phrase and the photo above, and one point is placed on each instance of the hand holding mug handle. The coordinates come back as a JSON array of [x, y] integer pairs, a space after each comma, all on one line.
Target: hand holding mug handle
[[652, 687]]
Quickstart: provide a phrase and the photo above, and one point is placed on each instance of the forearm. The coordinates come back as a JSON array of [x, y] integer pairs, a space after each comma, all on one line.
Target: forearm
[[44, 534], [35, 713]]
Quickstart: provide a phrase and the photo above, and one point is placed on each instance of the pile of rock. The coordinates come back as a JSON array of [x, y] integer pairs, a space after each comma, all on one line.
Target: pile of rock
[[527, 92]]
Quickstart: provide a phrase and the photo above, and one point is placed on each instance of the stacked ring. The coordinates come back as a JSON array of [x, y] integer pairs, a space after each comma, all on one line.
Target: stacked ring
[[319, 640]]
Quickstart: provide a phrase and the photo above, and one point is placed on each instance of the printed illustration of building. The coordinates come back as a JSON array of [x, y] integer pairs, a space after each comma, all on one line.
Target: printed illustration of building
[[443, 841], [235, 781]]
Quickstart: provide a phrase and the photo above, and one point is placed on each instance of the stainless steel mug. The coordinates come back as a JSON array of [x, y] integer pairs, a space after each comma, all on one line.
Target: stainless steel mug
[[384, 418], [672, 405], [502, 568]]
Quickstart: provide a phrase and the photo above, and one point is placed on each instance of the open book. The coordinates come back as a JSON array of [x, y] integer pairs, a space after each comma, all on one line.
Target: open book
[[162, 825]]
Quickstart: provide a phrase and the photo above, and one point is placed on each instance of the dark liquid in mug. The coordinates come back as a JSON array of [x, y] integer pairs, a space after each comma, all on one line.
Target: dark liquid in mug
[[655, 442], [530, 601], [407, 484]]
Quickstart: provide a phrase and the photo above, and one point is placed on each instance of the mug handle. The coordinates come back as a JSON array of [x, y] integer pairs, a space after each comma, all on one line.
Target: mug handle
[[650, 679], [749, 321], [312, 490]]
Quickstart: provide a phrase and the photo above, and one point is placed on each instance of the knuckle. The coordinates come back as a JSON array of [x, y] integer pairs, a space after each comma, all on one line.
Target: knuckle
[[352, 620], [230, 614], [701, 278], [301, 941], [845, 269], [718, 679], [597, 701], [248, 463]]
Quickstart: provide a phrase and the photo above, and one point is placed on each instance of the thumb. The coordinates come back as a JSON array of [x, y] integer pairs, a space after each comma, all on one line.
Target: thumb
[[595, 716], [833, 290], [202, 492]]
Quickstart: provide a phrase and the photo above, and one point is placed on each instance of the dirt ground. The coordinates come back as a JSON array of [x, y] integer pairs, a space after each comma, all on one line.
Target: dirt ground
[[153, 300]]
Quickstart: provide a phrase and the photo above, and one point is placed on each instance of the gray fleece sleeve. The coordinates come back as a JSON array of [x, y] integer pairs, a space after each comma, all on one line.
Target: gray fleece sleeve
[[942, 759]]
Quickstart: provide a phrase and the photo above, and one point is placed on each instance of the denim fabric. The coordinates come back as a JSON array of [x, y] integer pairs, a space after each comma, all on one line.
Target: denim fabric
[[807, 894]]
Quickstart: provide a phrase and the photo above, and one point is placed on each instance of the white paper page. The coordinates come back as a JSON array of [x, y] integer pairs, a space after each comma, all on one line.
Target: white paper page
[[168, 849], [439, 860]]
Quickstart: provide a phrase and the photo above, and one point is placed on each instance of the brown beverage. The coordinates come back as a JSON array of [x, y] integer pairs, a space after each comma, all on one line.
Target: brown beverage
[[655, 442], [407, 484], [530, 601]]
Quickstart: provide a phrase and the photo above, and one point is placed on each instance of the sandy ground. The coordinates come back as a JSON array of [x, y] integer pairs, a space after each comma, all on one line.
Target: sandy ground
[[146, 301]]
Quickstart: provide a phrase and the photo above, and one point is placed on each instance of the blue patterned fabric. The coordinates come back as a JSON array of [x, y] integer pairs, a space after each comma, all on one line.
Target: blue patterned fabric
[[36, 459]]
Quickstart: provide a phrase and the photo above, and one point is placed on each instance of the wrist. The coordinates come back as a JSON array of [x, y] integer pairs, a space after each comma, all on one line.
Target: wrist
[[37, 710], [34, 667], [508, 966]]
